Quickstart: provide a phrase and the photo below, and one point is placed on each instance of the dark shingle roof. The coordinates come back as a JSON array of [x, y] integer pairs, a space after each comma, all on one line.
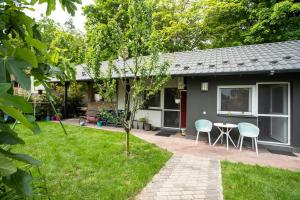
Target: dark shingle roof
[[241, 59], [258, 58]]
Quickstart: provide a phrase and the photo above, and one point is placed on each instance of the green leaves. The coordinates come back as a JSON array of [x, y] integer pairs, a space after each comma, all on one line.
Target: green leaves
[[4, 87], [16, 68], [26, 55], [24, 158], [69, 5], [10, 104], [20, 181], [16, 101], [37, 44], [16, 115], [7, 167], [9, 137], [22, 55]]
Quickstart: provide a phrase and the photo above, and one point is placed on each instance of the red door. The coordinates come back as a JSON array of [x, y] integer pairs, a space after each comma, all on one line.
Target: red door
[[183, 109]]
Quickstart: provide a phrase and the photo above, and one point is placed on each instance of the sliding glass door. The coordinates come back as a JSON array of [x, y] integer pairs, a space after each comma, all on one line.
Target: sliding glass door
[[273, 112]]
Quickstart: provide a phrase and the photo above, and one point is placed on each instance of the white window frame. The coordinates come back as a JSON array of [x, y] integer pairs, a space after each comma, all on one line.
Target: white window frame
[[252, 95], [155, 107], [165, 109], [274, 115]]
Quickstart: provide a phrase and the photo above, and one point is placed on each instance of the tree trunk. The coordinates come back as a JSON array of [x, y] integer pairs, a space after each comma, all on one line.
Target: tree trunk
[[127, 142]]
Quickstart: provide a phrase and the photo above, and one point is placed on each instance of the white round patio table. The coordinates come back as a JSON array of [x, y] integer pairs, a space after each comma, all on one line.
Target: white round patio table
[[225, 129]]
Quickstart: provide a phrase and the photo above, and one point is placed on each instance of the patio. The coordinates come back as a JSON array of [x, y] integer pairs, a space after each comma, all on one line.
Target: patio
[[181, 145]]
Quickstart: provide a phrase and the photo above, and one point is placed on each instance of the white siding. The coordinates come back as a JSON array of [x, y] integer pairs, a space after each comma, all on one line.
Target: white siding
[[153, 116], [121, 97]]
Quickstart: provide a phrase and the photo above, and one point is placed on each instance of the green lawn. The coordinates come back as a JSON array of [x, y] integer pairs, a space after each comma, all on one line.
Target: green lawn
[[245, 182], [90, 163]]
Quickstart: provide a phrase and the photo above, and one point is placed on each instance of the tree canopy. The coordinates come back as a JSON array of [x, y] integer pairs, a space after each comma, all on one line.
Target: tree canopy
[[65, 39], [182, 25]]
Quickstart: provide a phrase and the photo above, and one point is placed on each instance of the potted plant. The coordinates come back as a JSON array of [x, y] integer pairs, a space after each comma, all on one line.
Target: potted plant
[[177, 97], [177, 101], [141, 122], [57, 117], [147, 126], [135, 124]]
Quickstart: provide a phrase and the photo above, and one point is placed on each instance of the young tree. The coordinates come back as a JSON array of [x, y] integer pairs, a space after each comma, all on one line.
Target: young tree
[[140, 73]]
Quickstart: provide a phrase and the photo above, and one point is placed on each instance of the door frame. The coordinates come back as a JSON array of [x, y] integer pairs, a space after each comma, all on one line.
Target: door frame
[[163, 111], [180, 107], [274, 115]]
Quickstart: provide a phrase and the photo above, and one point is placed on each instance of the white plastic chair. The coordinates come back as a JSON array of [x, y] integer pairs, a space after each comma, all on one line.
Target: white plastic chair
[[203, 125], [248, 130]]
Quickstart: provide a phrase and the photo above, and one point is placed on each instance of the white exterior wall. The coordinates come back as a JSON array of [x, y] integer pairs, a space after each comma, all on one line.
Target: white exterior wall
[[121, 97], [154, 116]]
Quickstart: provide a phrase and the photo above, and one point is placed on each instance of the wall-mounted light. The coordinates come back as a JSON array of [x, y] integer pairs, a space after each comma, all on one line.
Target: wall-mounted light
[[204, 86]]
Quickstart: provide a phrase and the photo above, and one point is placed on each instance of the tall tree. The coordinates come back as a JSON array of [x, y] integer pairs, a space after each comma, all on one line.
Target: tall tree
[[231, 22], [67, 41], [177, 25], [139, 75]]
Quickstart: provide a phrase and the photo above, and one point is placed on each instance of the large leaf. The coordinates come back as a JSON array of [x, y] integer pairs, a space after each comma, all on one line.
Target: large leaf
[[21, 157], [8, 137], [27, 55], [2, 72], [20, 19], [36, 43], [16, 67], [15, 101], [4, 87], [25, 158], [18, 116], [7, 167], [20, 181], [32, 119]]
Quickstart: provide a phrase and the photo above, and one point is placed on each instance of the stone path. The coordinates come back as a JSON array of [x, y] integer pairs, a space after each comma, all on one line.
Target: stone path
[[185, 177]]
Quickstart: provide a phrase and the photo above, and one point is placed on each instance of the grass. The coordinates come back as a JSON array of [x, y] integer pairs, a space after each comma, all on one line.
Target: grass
[[248, 182], [90, 163]]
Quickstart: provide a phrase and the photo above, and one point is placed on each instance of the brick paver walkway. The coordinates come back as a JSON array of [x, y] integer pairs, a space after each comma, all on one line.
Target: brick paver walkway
[[185, 177]]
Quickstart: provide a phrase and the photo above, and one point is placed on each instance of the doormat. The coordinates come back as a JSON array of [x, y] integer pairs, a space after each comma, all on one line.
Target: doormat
[[286, 153], [166, 133]]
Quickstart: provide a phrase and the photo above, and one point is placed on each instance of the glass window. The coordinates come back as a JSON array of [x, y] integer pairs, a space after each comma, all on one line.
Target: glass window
[[235, 100], [153, 101], [169, 99], [273, 99]]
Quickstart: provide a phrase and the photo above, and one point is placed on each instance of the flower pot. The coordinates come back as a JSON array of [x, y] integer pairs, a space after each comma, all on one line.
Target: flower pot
[[147, 126], [99, 123], [177, 101], [141, 125], [97, 97], [135, 124]]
